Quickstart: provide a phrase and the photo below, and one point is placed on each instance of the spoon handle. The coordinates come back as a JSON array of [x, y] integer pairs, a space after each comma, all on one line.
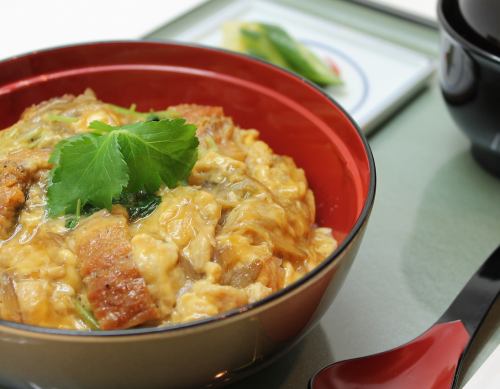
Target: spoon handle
[[432, 360], [477, 297]]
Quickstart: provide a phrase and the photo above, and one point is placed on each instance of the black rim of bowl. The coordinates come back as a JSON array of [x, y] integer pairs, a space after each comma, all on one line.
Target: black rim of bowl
[[453, 33], [362, 218]]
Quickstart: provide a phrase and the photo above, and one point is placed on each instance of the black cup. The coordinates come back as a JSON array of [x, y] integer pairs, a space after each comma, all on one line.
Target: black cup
[[470, 83]]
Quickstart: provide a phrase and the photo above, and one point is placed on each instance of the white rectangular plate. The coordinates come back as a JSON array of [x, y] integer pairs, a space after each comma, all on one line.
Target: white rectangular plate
[[378, 75]]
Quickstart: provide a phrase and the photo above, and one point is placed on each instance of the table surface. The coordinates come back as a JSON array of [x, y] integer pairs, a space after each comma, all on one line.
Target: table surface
[[436, 218]]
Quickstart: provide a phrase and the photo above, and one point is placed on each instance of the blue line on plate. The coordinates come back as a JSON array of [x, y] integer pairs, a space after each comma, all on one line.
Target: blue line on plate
[[364, 79]]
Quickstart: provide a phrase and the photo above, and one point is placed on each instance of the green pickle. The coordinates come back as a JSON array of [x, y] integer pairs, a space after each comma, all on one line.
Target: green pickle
[[256, 43], [299, 57], [274, 44]]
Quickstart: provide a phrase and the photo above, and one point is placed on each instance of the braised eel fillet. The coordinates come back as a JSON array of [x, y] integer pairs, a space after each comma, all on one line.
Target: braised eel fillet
[[116, 291], [17, 171]]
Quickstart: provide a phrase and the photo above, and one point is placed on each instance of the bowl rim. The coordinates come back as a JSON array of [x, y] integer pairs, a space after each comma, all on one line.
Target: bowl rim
[[453, 33], [55, 333]]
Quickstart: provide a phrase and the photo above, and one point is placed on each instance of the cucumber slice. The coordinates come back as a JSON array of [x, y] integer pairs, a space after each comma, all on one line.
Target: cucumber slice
[[299, 57], [249, 38], [231, 38], [256, 43]]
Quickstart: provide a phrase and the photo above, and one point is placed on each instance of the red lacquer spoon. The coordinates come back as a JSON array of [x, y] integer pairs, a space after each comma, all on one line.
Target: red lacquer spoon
[[431, 361]]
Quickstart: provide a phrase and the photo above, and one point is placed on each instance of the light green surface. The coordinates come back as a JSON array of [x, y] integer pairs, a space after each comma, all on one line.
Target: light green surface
[[436, 218]]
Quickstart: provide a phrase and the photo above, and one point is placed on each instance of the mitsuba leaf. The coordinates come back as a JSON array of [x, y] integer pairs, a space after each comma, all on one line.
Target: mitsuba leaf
[[89, 169], [158, 151], [95, 169], [139, 205]]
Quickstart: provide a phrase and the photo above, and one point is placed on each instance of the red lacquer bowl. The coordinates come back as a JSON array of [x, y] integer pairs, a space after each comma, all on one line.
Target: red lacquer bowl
[[292, 115]]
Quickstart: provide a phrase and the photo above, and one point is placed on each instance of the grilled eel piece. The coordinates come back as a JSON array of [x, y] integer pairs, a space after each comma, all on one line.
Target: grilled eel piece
[[116, 291], [17, 172]]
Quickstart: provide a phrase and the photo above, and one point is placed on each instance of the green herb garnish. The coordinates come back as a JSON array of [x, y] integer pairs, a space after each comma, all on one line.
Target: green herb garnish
[[86, 315], [96, 168], [73, 220], [166, 114], [139, 205], [52, 117]]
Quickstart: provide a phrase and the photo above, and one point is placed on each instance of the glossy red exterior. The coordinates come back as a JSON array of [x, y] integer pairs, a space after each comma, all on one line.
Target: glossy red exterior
[[429, 361]]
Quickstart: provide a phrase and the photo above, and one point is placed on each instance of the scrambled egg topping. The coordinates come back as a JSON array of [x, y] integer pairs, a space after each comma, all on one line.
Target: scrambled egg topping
[[241, 229]]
